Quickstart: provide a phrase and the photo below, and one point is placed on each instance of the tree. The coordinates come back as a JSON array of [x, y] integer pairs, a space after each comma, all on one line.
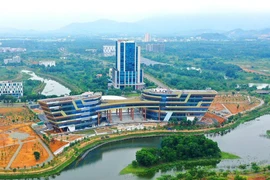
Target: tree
[[134, 163], [146, 157], [238, 177], [37, 155], [255, 167]]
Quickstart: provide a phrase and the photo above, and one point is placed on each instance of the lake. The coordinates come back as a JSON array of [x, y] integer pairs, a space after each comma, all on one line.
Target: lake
[[247, 141]]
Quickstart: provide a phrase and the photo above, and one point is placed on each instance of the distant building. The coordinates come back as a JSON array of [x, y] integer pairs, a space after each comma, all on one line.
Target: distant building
[[159, 48], [98, 75], [47, 63], [127, 72], [9, 49], [108, 51], [91, 50], [262, 91], [13, 60], [11, 88], [63, 58], [147, 37]]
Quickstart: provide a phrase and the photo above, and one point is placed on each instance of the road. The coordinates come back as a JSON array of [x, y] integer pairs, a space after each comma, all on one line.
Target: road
[[156, 81]]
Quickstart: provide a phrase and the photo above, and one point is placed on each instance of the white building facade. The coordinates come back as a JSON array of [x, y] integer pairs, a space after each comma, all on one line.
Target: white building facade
[[11, 88], [47, 63], [13, 60], [109, 51]]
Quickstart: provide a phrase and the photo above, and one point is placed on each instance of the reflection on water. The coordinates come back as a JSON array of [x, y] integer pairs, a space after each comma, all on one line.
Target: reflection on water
[[52, 87], [246, 141]]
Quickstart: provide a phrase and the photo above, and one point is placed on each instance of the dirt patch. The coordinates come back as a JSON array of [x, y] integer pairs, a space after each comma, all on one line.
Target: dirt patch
[[26, 155], [15, 115], [208, 116], [6, 154], [236, 108], [28, 130], [56, 144], [6, 140], [216, 107]]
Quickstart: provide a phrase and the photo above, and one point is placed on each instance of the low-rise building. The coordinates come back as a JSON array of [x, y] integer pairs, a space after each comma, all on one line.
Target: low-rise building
[[47, 63], [91, 50], [9, 49], [109, 51], [11, 88], [13, 60]]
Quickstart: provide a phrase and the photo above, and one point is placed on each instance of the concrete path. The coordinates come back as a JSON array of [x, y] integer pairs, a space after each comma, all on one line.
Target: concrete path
[[227, 109], [157, 82], [51, 156], [15, 154]]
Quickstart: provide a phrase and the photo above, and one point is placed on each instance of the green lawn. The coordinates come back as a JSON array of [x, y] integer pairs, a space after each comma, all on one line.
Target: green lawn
[[86, 131], [225, 155]]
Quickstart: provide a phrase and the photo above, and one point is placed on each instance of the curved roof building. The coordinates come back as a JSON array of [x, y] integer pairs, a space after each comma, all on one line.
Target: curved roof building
[[86, 110]]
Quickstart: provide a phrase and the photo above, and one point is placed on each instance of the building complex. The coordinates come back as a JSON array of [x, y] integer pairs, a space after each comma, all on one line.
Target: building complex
[[90, 109], [11, 88], [87, 110]]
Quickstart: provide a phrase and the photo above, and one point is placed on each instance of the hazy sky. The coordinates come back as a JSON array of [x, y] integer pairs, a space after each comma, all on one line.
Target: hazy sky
[[52, 14]]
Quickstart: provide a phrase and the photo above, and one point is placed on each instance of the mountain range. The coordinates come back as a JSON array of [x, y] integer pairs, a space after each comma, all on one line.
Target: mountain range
[[220, 26]]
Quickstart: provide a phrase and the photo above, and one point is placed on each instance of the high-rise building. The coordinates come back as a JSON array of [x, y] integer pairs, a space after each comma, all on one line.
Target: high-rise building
[[127, 71], [147, 37]]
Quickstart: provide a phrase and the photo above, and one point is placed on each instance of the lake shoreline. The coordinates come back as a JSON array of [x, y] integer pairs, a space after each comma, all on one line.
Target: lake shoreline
[[85, 145]]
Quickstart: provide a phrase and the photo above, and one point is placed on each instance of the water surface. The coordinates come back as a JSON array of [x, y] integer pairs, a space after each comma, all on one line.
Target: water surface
[[52, 87]]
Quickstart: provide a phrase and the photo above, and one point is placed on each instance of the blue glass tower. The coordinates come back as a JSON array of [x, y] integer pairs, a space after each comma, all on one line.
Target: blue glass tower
[[128, 72]]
